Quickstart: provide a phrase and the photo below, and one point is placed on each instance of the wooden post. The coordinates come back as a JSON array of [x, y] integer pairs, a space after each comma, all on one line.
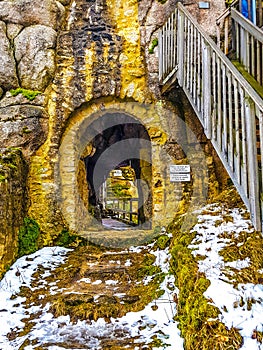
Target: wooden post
[[252, 164], [206, 82], [180, 48], [160, 54]]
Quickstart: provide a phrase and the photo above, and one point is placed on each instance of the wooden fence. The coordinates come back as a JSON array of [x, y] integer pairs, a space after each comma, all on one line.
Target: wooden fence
[[124, 209], [230, 111]]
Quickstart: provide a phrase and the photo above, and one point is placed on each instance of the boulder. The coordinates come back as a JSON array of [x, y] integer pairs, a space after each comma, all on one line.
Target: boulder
[[35, 56], [8, 78], [22, 126], [28, 12]]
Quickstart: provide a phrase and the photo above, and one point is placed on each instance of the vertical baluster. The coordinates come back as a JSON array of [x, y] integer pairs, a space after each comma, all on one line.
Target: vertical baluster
[[226, 44], [175, 24], [191, 59], [172, 42], [224, 97], [252, 64], [166, 50], [206, 82], [188, 54], [260, 117], [244, 143], [247, 50], [253, 178], [194, 66], [169, 68], [237, 142], [199, 72], [242, 45], [230, 113], [160, 54], [180, 48], [259, 57], [214, 114], [237, 41], [219, 104]]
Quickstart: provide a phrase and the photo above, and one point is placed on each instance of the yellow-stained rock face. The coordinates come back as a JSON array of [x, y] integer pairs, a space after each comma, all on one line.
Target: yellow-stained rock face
[[101, 70], [133, 75]]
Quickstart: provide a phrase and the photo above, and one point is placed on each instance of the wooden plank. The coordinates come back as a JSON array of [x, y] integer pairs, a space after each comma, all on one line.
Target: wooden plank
[[195, 65], [206, 82], [187, 76], [237, 39], [180, 48], [166, 50], [191, 59], [214, 95], [224, 98], [160, 54], [259, 58], [252, 53], [237, 144], [219, 105], [260, 119], [199, 57], [224, 59], [226, 28], [169, 68], [243, 141], [175, 39], [252, 164], [230, 113], [248, 26]]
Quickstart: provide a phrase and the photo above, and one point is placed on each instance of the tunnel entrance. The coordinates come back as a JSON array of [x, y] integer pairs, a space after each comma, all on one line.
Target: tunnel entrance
[[118, 170]]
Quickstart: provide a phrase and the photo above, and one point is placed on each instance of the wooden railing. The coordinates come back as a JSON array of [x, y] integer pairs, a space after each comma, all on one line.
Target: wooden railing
[[243, 40], [248, 45], [124, 209], [230, 111]]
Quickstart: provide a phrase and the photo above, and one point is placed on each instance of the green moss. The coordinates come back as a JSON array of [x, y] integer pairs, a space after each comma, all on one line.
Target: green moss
[[154, 43], [120, 190], [28, 237], [162, 242], [198, 319], [25, 130], [29, 94], [2, 178], [67, 239], [252, 81]]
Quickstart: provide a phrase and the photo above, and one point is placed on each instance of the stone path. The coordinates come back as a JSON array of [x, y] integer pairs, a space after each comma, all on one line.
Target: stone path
[[97, 299], [115, 224]]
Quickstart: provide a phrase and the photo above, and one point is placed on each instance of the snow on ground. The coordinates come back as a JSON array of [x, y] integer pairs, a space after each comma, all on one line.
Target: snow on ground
[[209, 242], [156, 319]]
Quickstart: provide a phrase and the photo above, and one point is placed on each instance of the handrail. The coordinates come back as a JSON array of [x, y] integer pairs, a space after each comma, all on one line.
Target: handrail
[[229, 109], [251, 92], [247, 25], [226, 13]]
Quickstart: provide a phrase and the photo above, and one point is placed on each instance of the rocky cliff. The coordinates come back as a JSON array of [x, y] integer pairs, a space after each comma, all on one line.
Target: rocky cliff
[[64, 64]]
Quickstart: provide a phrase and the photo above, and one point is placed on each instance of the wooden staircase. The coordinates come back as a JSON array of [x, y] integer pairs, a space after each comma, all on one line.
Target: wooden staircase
[[229, 107]]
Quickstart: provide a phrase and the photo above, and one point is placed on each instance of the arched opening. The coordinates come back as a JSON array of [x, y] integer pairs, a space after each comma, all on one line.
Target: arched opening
[[118, 170]]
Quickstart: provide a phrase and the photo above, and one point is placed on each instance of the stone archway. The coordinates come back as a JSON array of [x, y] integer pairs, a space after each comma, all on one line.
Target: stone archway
[[118, 141], [55, 188]]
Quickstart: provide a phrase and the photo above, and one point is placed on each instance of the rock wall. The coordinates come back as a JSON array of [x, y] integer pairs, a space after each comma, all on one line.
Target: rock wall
[[13, 173], [65, 63]]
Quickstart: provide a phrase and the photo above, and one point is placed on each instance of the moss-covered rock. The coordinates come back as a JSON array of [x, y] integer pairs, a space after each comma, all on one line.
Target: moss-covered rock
[[198, 319]]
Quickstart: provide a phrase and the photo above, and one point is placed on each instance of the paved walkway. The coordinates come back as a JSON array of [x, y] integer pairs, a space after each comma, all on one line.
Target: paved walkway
[[115, 224]]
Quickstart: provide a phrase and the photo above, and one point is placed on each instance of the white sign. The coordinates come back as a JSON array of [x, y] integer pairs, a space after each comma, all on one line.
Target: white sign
[[180, 177], [174, 169], [117, 173]]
